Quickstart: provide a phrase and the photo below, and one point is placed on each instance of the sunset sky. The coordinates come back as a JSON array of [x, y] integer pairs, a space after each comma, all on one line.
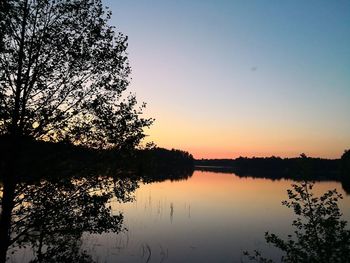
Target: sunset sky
[[250, 78]]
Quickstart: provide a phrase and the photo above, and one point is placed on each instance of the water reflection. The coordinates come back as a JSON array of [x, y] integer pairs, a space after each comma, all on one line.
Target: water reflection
[[204, 217], [50, 216], [211, 217], [345, 181]]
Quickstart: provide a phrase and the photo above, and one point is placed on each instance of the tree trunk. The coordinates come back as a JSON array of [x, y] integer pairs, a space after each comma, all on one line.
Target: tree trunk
[[8, 176], [5, 217]]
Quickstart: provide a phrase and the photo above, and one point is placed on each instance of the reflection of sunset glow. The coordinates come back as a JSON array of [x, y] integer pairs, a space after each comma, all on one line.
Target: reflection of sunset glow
[[218, 213], [206, 191]]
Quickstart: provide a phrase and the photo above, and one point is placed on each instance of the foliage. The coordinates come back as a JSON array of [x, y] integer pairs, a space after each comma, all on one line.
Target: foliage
[[345, 163], [320, 235], [277, 167], [63, 71], [50, 216], [158, 164]]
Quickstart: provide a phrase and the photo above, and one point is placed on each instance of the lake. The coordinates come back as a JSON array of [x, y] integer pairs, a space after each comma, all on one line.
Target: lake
[[210, 217]]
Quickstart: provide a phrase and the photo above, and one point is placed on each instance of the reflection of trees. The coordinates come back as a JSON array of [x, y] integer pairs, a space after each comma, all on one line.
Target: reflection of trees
[[51, 215], [277, 167], [52, 193], [158, 164], [173, 174], [345, 170], [275, 175]]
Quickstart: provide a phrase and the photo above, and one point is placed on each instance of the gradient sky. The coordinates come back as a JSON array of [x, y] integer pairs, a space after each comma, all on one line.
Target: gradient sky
[[251, 78]]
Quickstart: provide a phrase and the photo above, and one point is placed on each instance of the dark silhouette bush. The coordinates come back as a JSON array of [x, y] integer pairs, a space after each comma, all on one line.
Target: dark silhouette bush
[[320, 235]]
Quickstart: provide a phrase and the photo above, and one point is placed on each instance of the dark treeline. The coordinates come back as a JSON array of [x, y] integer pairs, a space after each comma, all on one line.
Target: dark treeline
[[38, 159], [159, 164], [276, 166], [289, 168]]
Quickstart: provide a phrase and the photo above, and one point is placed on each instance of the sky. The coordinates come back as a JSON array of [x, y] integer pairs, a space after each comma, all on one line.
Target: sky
[[241, 78]]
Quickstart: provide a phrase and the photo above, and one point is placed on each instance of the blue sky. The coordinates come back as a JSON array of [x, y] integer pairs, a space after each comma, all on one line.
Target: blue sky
[[229, 78]]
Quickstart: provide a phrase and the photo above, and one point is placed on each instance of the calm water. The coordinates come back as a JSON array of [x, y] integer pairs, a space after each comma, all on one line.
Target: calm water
[[211, 217]]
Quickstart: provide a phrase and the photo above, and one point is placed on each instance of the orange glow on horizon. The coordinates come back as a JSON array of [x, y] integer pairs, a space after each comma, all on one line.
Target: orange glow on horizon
[[217, 153], [223, 141], [198, 154]]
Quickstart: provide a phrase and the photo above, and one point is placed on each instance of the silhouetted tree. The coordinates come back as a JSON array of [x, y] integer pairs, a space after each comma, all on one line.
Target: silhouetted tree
[[63, 73], [320, 234], [3, 11], [63, 70]]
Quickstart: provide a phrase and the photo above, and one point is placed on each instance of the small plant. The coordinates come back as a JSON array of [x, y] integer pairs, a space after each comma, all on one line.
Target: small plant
[[320, 236]]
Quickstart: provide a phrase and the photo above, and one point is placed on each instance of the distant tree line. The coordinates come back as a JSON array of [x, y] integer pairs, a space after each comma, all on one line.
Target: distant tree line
[[301, 168], [280, 167], [39, 159], [158, 164]]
